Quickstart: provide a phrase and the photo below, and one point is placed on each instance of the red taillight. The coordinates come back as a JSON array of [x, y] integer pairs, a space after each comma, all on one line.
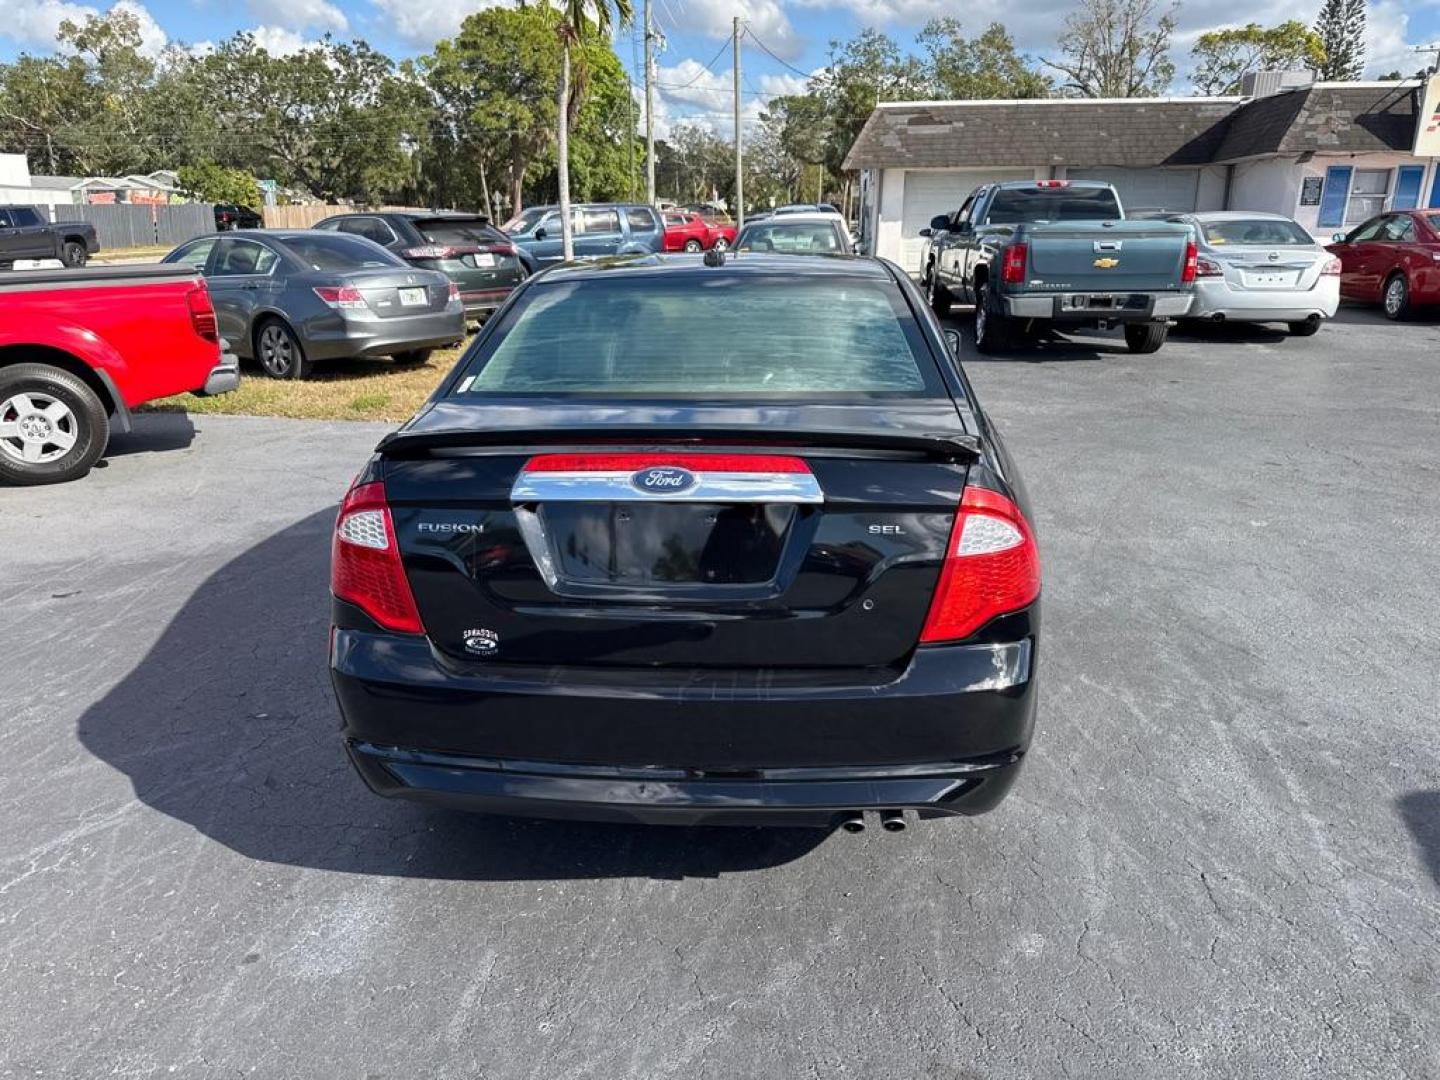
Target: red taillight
[[1192, 263], [748, 463], [500, 249], [202, 312], [1331, 268], [345, 297], [1012, 268], [992, 567], [365, 566], [454, 294], [430, 251], [1208, 268], [1052, 183]]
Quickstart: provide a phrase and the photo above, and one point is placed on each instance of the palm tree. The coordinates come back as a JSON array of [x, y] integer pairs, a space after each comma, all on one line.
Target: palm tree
[[578, 18]]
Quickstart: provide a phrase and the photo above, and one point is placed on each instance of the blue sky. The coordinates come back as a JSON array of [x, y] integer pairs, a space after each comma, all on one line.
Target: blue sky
[[695, 31]]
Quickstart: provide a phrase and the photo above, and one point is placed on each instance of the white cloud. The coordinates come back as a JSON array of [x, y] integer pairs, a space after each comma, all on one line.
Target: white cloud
[[300, 14], [279, 40], [1387, 44], [36, 22], [687, 93], [765, 19], [422, 24]]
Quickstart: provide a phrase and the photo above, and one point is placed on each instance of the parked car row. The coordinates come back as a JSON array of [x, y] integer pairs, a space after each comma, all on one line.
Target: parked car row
[[1243, 266]]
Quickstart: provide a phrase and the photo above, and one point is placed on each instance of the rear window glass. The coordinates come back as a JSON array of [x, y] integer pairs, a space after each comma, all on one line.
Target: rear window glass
[[1053, 204], [792, 238], [1264, 231], [339, 252], [638, 338], [457, 231]]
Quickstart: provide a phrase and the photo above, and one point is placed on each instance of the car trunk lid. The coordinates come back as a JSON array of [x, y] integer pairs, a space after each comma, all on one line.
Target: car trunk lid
[[400, 292], [705, 541]]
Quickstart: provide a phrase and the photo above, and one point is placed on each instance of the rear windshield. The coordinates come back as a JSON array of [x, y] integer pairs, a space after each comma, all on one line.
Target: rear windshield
[[1021, 205], [1265, 231], [456, 231], [792, 238], [1434, 220], [340, 252], [645, 337]]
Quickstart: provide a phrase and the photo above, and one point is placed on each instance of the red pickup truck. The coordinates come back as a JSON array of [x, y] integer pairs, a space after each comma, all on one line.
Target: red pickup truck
[[80, 348]]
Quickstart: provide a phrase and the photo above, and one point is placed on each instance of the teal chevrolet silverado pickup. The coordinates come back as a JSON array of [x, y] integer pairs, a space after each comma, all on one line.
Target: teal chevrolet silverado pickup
[[1032, 254]]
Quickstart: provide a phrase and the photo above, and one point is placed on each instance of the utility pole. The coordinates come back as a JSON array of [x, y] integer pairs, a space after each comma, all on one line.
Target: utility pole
[[630, 137], [739, 167], [649, 108]]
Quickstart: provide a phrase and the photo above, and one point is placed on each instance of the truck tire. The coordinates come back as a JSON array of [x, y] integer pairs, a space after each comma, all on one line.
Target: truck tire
[[53, 428], [993, 330], [73, 254], [279, 351], [939, 296], [1146, 337]]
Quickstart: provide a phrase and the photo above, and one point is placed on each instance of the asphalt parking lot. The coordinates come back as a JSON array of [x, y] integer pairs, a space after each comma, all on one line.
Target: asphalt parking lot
[[1223, 859]]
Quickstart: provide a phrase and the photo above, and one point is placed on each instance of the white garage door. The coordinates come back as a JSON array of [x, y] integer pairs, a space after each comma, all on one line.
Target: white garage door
[[1148, 189], [929, 194]]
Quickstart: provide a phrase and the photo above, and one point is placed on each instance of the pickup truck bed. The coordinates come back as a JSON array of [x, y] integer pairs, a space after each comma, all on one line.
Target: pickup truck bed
[[80, 348]]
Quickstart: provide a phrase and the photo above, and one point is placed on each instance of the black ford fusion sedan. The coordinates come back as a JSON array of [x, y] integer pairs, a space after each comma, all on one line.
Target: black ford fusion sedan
[[619, 569]]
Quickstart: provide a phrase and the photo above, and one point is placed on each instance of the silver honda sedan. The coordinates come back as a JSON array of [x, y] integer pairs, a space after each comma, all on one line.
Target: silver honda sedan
[[288, 298], [1257, 267]]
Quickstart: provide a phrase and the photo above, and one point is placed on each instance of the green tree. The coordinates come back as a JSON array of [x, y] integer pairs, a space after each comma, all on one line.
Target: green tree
[[1341, 29], [44, 103], [578, 21], [209, 182], [984, 67], [1223, 56], [1117, 49]]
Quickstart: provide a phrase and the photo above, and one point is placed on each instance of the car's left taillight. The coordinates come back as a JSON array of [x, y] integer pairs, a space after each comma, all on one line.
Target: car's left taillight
[[1012, 265], [992, 567], [342, 297], [202, 312], [1192, 263], [365, 565]]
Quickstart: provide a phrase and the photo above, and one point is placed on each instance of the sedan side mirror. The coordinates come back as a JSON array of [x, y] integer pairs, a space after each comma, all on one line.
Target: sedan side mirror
[[539, 234], [926, 232], [940, 222], [1338, 238], [952, 339]]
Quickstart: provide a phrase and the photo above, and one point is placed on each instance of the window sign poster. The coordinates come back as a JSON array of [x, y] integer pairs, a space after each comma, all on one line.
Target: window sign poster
[[1310, 190]]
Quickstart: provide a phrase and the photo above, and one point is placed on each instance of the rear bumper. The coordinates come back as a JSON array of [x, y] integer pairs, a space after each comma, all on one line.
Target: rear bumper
[[945, 736], [483, 301], [223, 378], [334, 338], [1114, 306], [1214, 297]]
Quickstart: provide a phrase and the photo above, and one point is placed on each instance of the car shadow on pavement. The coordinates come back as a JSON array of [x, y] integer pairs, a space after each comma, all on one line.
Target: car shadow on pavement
[[1358, 314], [153, 433], [228, 725], [1420, 810]]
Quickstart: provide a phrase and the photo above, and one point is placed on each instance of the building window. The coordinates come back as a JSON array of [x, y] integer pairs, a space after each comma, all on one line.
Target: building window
[[1368, 191]]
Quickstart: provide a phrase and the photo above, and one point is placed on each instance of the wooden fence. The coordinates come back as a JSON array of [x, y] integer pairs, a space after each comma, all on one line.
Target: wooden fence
[[305, 217]]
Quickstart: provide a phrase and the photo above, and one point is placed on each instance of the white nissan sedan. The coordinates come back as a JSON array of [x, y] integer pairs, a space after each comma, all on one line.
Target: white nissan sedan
[[1257, 267]]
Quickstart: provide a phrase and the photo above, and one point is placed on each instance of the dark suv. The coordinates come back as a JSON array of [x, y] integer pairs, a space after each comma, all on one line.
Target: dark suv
[[615, 569], [466, 248], [230, 216]]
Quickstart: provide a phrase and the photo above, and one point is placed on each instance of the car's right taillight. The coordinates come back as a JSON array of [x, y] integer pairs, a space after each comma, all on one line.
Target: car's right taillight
[[342, 298], [202, 312], [1331, 268], [1012, 265], [430, 251], [365, 565], [992, 567]]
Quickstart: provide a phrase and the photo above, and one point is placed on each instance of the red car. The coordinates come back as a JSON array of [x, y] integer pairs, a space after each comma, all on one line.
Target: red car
[[1393, 260], [685, 231], [80, 348]]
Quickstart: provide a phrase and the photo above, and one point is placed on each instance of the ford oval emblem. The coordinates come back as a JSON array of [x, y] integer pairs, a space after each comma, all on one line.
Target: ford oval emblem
[[663, 480]]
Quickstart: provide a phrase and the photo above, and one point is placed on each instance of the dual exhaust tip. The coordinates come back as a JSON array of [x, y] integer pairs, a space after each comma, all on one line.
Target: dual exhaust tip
[[890, 821]]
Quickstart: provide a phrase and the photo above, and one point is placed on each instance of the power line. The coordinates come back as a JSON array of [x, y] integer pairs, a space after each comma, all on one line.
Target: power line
[[771, 52], [707, 69]]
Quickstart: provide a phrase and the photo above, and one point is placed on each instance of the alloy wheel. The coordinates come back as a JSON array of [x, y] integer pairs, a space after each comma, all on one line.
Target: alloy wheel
[[277, 351], [1395, 297], [36, 428]]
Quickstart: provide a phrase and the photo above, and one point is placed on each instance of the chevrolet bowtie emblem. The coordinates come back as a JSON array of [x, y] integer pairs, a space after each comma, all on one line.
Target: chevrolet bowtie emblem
[[1107, 263]]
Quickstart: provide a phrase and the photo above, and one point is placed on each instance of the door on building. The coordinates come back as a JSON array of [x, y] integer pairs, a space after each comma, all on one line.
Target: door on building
[[930, 194], [1148, 189]]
